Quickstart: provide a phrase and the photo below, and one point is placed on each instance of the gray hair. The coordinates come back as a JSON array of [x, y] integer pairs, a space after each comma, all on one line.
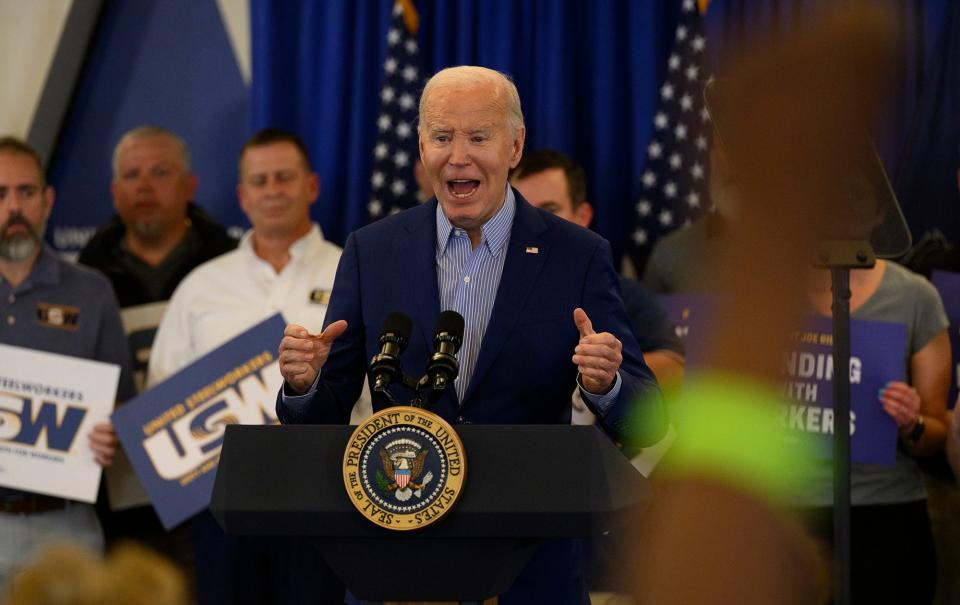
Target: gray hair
[[465, 76], [146, 132]]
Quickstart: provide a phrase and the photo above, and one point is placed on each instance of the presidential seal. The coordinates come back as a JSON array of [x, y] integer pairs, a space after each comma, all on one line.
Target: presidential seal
[[404, 468]]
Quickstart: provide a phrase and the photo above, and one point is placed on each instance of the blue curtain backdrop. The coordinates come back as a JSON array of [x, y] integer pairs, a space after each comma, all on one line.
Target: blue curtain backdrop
[[927, 175], [588, 75]]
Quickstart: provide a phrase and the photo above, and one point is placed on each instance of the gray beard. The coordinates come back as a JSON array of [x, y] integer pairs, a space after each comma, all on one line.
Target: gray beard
[[19, 247], [147, 231]]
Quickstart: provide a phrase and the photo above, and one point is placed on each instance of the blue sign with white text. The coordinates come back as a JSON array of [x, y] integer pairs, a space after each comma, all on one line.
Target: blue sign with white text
[[876, 357], [173, 432]]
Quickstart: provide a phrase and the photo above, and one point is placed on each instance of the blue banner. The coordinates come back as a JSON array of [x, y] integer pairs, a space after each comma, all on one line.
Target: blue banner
[[173, 432], [876, 357], [947, 284], [877, 350]]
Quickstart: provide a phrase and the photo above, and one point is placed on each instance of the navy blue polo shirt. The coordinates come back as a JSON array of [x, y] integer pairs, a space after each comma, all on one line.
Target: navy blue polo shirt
[[67, 309]]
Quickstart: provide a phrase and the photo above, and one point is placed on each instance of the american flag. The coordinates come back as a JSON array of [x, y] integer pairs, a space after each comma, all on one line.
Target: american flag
[[393, 187], [673, 184]]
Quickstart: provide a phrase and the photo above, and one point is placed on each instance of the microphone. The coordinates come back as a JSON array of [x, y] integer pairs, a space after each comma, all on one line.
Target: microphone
[[394, 336], [443, 366]]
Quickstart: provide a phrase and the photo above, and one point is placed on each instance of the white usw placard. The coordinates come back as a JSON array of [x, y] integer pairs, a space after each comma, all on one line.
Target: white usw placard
[[49, 403]]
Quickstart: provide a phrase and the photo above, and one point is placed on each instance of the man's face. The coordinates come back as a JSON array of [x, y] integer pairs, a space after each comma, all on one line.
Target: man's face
[[467, 149], [276, 189], [151, 188], [549, 190], [25, 206]]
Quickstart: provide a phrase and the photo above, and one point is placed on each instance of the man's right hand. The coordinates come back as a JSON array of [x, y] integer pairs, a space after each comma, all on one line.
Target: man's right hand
[[302, 354]]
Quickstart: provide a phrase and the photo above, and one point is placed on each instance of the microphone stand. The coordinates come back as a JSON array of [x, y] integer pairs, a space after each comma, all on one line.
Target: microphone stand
[[411, 383], [417, 387], [840, 257]]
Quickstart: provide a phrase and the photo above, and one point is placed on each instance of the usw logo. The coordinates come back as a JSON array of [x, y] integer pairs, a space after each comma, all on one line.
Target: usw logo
[[186, 443], [38, 423]]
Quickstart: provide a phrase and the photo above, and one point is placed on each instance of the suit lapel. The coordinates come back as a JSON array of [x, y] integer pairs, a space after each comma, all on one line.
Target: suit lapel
[[520, 270], [423, 267]]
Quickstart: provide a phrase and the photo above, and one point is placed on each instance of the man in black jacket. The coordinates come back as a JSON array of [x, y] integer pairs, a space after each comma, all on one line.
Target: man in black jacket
[[157, 237]]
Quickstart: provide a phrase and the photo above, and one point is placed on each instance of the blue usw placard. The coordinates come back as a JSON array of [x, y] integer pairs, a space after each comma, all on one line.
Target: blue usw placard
[[173, 432]]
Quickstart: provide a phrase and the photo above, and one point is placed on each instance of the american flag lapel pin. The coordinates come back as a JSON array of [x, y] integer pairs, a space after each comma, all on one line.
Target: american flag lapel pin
[[533, 250]]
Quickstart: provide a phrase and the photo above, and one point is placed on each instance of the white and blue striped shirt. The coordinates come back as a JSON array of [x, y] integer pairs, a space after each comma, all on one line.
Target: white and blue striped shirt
[[468, 278]]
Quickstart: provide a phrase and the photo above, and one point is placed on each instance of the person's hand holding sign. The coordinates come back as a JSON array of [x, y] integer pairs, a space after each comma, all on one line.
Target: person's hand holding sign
[[902, 402], [103, 442]]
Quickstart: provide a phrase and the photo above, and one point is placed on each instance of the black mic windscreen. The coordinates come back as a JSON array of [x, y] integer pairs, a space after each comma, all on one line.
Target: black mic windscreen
[[450, 322], [397, 323]]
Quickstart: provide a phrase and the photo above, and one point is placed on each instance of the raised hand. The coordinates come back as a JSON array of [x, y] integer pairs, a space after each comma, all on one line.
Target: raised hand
[[303, 354], [597, 356]]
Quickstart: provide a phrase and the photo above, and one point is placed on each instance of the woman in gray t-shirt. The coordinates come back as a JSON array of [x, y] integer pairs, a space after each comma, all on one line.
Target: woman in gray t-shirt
[[892, 554]]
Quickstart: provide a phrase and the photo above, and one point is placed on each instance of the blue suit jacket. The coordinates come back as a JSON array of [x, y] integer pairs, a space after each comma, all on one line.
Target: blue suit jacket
[[524, 373]]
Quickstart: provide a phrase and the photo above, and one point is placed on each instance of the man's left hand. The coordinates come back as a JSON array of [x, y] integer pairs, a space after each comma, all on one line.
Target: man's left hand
[[597, 356], [103, 442]]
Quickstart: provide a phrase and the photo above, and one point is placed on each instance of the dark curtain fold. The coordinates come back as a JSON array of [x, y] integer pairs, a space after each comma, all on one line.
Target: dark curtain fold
[[927, 180], [588, 75]]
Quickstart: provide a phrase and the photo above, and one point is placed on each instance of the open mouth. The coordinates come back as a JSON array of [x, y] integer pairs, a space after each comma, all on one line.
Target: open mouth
[[462, 188]]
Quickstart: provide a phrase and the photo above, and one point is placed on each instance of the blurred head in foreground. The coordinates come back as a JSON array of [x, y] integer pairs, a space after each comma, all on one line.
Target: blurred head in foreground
[[130, 575], [717, 531]]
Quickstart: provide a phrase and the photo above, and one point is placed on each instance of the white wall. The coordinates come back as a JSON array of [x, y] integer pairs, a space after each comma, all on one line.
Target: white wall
[[236, 18], [29, 33]]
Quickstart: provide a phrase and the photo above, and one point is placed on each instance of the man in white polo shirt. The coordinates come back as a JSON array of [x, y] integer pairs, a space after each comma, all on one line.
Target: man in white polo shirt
[[284, 265]]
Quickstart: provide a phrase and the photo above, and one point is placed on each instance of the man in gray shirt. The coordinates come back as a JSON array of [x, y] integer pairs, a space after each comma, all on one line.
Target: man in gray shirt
[[49, 305]]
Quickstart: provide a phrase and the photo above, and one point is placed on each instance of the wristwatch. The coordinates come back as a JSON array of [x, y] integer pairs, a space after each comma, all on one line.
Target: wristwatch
[[917, 432]]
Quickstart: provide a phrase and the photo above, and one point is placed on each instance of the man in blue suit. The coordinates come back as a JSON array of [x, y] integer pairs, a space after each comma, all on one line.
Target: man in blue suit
[[539, 296]]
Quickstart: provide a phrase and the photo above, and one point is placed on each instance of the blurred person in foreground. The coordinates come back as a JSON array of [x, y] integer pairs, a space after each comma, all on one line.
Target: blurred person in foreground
[[720, 530], [34, 279], [130, 575]]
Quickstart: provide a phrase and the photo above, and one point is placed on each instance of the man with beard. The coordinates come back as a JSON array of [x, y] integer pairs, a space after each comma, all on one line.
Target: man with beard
[[283, 264], [32, 277]]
